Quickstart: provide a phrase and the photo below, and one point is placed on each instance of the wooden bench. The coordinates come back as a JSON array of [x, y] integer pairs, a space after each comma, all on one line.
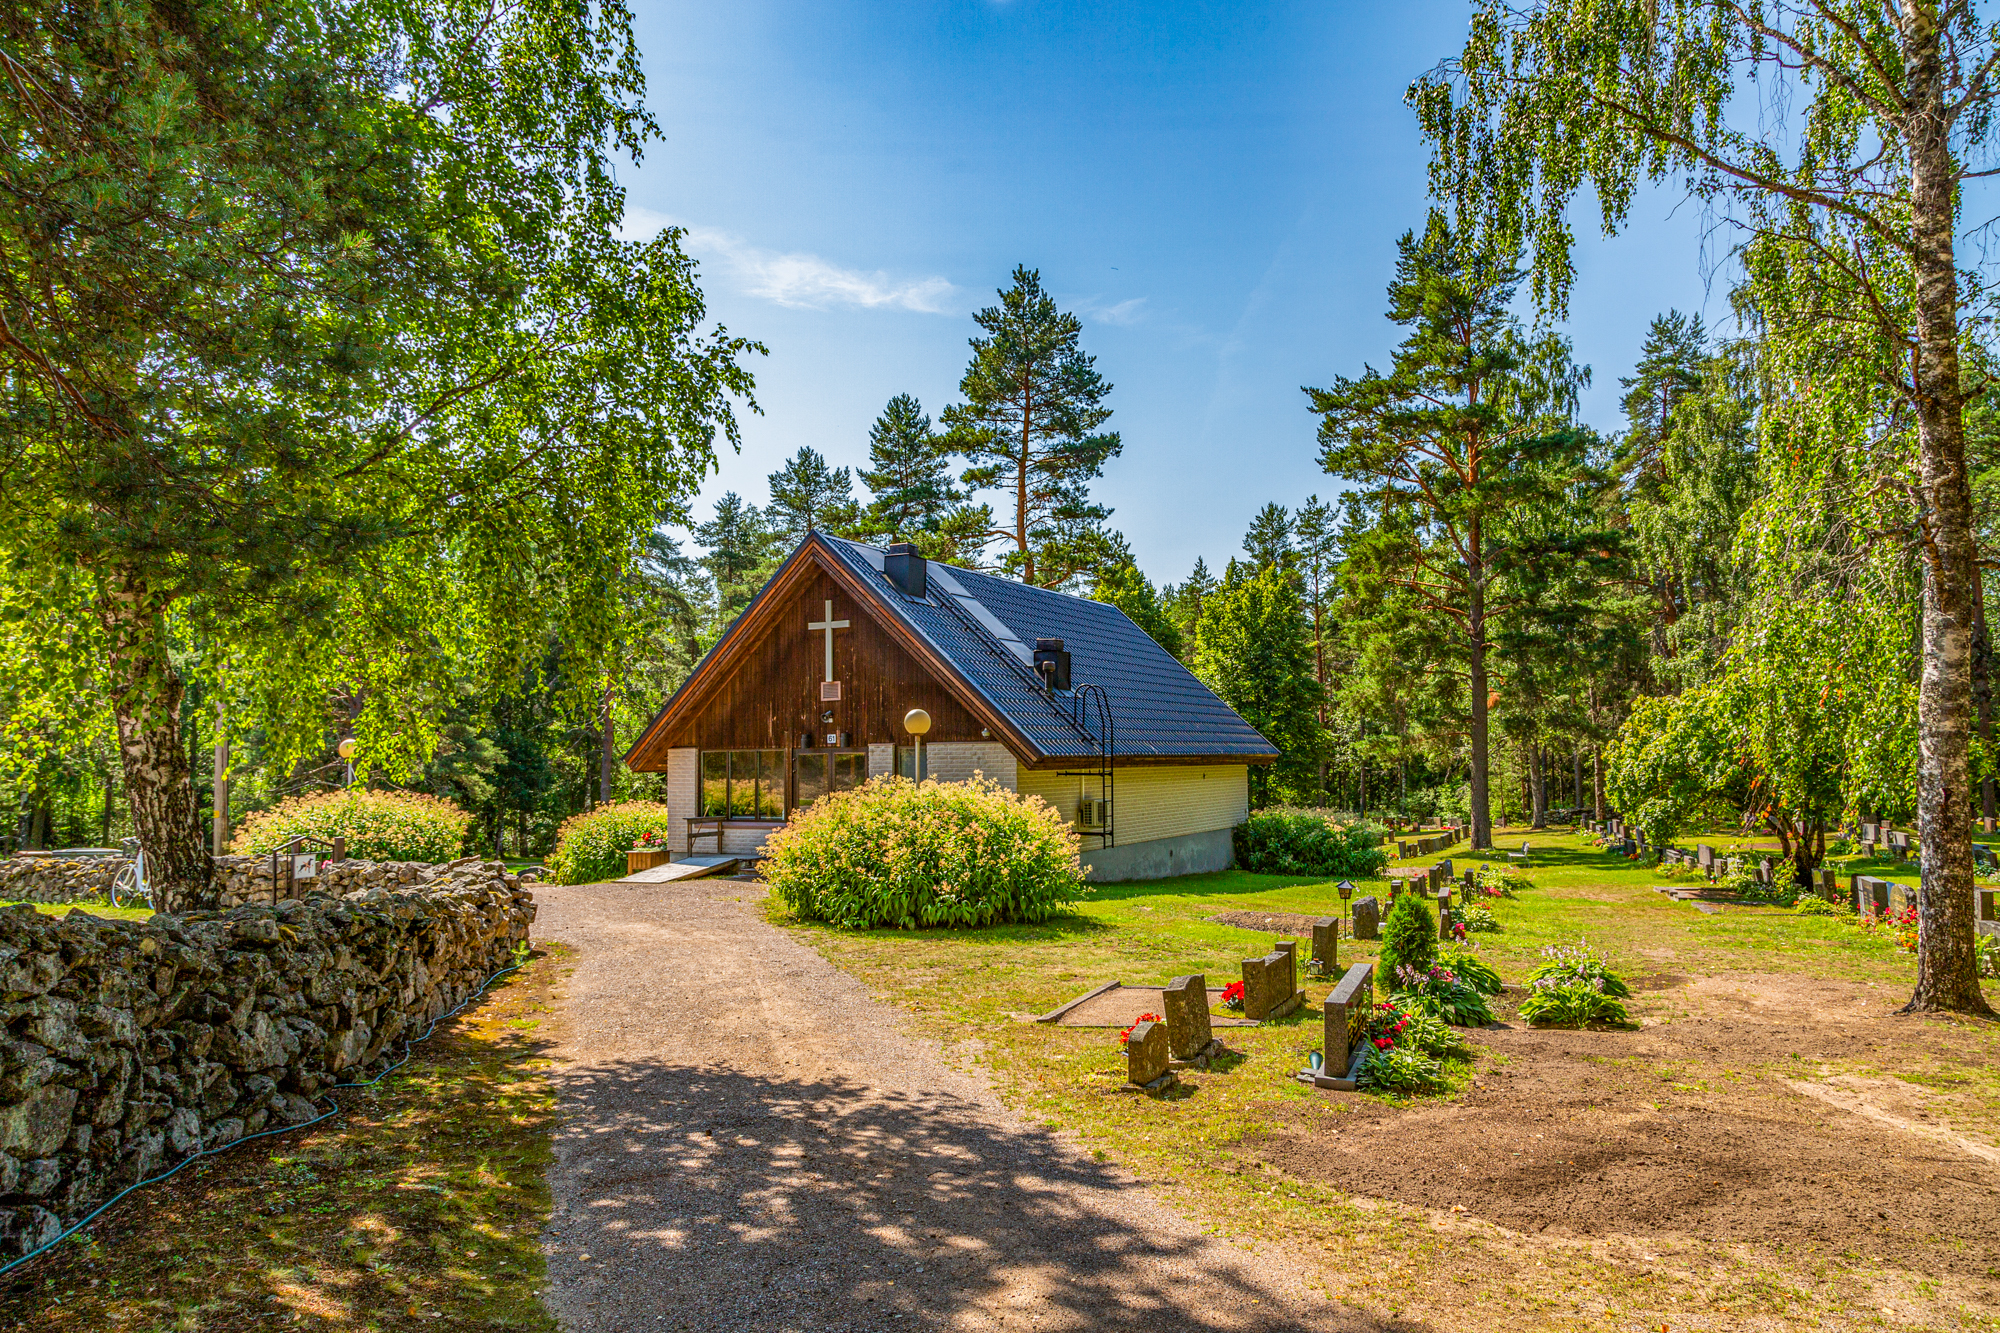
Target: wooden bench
[[711, 826]]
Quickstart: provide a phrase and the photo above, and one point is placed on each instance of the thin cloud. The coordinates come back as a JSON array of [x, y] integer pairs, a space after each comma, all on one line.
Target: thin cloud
[[1125, 312], [799, 279]]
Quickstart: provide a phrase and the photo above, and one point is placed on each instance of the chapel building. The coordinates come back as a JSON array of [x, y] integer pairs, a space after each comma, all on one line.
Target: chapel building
[[808, 692]]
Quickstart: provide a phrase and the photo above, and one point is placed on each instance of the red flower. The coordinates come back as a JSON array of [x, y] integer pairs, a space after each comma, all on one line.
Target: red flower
[[1383, 1043], [1232, 995]]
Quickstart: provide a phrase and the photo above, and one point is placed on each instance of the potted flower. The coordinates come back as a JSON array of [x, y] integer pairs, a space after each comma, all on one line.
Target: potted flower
[[649, 849]]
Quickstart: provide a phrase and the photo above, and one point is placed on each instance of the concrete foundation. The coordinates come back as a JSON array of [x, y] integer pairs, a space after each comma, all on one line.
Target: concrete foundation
[[1188, 854]]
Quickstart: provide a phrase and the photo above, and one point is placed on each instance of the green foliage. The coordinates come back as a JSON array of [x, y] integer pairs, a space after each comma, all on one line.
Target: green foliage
[[1477, 920], [1409, 939], [1253, 651], [378, 825], [1123, 586], [915, 501], [1295, 843], [1467, 968], [1029, 427], [924, 855], [1986, 951], [1574, 988], [591, 847], [807, 496], [1402, 1069], [1814, 905], [1443, 993]]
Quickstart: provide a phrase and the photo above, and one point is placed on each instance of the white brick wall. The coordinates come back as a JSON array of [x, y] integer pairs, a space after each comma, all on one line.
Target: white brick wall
[[957, 761], [881, 760], [683, 793], [1152, 802]]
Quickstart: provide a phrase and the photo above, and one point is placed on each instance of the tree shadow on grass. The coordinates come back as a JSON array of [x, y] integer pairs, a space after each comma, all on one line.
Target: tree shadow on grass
[[713, 1199]]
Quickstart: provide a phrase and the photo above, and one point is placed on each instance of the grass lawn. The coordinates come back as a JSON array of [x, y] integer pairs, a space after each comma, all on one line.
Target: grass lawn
[[420, 1207], [94, 909], [1723, 1166]]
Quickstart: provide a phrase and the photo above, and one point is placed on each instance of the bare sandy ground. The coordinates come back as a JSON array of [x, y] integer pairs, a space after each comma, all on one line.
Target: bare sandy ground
[[748, 1140]]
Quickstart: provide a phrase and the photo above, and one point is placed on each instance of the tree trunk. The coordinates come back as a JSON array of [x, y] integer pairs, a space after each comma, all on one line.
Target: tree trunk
[[1597, 783], [1947, 972], [1475, 631], [1538, 788], [1982, 689], [220, 829], [159, 786], [1576, 786]]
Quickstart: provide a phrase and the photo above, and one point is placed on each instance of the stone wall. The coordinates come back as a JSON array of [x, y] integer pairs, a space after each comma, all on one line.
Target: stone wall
[[49, 879], [239, 879], [129, 1045]]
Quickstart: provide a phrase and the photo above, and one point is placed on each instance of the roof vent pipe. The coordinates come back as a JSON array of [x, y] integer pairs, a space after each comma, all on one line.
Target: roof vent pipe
[[903, 567], [1053, 664]]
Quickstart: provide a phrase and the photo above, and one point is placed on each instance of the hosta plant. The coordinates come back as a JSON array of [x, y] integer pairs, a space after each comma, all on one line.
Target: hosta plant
[[1442, 992], [1574, 987]]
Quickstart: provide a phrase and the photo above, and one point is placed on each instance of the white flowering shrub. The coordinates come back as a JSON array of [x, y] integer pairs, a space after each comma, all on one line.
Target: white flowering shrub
[[925, 855]]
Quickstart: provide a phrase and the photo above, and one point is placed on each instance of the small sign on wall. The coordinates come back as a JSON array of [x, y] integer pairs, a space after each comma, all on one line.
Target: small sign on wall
[[829, 691]]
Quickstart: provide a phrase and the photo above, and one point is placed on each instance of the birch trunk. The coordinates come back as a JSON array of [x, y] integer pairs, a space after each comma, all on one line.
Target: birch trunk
[[1947, 974], [159, 785], [1538, 788]]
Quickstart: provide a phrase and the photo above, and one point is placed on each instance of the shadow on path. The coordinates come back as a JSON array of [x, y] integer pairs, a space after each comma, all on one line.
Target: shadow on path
[[708, 1198]]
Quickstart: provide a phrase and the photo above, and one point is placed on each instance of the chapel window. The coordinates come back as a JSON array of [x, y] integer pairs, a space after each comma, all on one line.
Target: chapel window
[[821, 771], [743, 784]]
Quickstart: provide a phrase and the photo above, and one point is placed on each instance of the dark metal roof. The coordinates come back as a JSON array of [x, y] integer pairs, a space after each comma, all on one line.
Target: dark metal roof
[[1158, 708]]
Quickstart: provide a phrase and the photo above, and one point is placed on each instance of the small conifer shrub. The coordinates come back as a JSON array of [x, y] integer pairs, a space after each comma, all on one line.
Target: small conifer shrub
[[1409, 939]]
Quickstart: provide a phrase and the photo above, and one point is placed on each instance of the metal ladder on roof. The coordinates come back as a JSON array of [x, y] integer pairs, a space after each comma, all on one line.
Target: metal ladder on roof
[[1103, 741]]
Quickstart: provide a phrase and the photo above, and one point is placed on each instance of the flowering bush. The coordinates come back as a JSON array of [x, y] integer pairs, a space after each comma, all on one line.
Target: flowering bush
[[1499, 881], [591, 847], [1471, 971], [1232, 995], [1402, 1051], [1899, 922], [1441, 992], [1471, 919], [1574, 988], [1125, 1037], [920, 855], [378, 825]]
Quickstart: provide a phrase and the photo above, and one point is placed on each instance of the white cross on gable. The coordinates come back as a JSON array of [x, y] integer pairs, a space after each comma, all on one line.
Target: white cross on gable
[[829, 625]]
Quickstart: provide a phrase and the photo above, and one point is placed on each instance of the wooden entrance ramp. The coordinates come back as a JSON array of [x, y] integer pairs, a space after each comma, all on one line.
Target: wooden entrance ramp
[[693, 867]]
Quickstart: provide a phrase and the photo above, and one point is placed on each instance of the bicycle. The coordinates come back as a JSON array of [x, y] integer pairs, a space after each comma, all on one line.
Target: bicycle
[[131, 888]]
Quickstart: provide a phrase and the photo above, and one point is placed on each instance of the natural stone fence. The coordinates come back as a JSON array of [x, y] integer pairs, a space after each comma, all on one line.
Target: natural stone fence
[[130, 1045], [238, 879]]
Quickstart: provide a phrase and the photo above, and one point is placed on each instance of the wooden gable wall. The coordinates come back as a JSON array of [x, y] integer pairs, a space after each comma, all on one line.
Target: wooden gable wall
[[769, 692]]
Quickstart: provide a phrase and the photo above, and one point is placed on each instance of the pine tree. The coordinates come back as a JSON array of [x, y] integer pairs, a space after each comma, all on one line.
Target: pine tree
[[1316, 530], [1028, 425], [742, 550], [1269, 540], [915, 500], [809, 496], [1670, 368], [1184, 603]]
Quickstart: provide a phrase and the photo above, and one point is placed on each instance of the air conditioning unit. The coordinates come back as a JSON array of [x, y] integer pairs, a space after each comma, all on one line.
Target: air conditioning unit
[[1093, 813]]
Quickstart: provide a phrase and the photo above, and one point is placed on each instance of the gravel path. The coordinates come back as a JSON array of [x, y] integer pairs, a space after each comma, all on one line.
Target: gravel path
[[749, 1141]]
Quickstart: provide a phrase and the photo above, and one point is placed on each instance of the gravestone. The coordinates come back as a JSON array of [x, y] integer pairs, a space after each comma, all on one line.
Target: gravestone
[[1443, 907], [1346, 1014], [1902, 895], [1326, 943], [1146, 1054], [1445, 865], [1188, 1030], [1367, 918], [1871, 833], [1269, 985], [1704, 856], [1991, 825], [1829, 884], [1871, 895], [1763, 871], [1986, 904]]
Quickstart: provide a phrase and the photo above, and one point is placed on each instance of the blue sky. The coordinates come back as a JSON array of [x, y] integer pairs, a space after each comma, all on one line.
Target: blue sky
[[1215, 189]]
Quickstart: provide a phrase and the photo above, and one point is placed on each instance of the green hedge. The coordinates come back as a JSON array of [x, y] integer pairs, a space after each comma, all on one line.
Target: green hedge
[[378, 825], [1274, 842], [591, 847], [936, 854]]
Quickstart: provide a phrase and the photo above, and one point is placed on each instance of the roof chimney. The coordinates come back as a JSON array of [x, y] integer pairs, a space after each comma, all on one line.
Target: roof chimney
[[1052, 663], [905, 568]]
